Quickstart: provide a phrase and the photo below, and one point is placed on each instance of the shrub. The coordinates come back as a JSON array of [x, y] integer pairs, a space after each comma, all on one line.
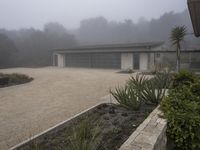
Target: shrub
[[85, 136], [14, 79], [152, 92], [18, 78], [137, 82], [163, 80], [195, 88], [130, 71], [183, 78], [182, 111], [140, 89], [127, 97]]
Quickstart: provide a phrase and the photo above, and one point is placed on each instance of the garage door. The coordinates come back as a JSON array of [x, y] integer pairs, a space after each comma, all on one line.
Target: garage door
[[106, 60], [78, 60], [94, 60]]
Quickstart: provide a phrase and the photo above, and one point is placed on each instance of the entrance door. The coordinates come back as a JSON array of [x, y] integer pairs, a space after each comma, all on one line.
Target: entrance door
[[136, 61]]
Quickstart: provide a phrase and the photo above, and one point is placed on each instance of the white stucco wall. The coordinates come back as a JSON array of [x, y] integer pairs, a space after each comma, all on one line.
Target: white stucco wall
[[143, 61], [126, 61], [61, 60], [152, 62]]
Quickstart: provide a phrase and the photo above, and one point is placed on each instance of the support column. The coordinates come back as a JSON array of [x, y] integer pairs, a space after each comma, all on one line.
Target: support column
[[54, 59], [61, 60], [143, 61], [126, 61]]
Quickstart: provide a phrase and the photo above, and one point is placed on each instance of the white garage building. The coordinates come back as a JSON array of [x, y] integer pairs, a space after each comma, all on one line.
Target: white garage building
[[136, 56]]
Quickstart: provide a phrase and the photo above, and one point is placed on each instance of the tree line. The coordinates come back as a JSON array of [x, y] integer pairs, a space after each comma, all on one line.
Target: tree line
[[31, 47]]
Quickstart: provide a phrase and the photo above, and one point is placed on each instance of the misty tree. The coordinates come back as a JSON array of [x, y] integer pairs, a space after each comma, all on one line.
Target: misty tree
[[7, 49], [54, 28], [34, 45], [177, 36], [102, 31]]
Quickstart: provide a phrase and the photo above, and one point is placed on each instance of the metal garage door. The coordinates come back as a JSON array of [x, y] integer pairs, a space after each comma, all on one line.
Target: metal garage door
[[94, 60], [78, 60], [106, 60]]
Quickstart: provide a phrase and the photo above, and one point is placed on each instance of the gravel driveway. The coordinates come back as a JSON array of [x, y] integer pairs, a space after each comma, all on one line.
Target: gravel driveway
[[54, 95]]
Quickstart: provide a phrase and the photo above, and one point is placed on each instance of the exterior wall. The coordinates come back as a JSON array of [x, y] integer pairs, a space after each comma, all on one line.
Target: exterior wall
[[61, 60], [126, 61], [143, 61]]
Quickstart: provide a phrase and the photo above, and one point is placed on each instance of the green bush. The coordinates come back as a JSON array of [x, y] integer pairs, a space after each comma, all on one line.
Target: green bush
[[85, 136], [127, 97], [152, 92], [137, 82], [182, 111], [139, 89], [183, 78], [195, 88], [163, 80], [15, 78]]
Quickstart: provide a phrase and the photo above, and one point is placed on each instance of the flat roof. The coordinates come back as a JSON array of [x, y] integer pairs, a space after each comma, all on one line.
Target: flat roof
[[110, 47], [128, 51], [122, 48]]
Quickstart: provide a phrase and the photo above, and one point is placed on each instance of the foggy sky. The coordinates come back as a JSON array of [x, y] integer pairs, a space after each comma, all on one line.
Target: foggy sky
[[15, 14]]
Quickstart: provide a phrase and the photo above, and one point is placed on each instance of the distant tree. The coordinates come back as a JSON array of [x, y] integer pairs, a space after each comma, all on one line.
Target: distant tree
[[177, 36], [7, 49], [34, 45], [54, 28]]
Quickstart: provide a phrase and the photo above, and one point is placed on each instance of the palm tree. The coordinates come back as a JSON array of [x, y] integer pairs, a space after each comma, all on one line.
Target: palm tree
[[177, 36]]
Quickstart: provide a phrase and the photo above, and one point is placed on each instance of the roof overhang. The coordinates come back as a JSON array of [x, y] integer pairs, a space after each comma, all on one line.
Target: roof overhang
[[194, 9], [128, 51], [128, 47]]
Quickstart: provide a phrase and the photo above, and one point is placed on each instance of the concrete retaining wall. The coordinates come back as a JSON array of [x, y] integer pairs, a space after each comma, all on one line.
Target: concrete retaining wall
[[150, 135]]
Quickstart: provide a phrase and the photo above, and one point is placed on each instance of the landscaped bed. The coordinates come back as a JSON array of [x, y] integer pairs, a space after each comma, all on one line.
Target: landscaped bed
[[13, 79], [114, 125], [106, 126]]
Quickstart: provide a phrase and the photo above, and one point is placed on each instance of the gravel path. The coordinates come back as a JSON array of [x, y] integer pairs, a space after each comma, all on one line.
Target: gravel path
[[54, 95]]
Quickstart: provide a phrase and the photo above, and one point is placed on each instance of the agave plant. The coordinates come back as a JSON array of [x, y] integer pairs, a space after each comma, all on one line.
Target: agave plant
[[127, 97], [163, 80], [137, 82], [151, 92], [85, 136]]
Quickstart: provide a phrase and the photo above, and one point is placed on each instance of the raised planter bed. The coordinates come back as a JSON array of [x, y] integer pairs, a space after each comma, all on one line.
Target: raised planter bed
[[116, 122]]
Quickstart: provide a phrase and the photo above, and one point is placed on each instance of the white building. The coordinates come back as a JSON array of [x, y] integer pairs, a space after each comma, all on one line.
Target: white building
[[135, 56]]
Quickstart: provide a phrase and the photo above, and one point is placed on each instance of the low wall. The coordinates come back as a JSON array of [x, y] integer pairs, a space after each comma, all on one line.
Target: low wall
[[150, 135]]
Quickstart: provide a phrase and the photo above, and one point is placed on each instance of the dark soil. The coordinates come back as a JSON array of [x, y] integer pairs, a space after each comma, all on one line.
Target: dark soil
[[13, 79], [117, 124]]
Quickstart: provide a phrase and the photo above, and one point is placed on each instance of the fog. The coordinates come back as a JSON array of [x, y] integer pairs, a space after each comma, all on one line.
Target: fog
[[29, 29], [15, 14]]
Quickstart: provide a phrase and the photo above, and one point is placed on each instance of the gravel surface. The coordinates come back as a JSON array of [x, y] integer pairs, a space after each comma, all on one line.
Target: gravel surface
[[54, 95]]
